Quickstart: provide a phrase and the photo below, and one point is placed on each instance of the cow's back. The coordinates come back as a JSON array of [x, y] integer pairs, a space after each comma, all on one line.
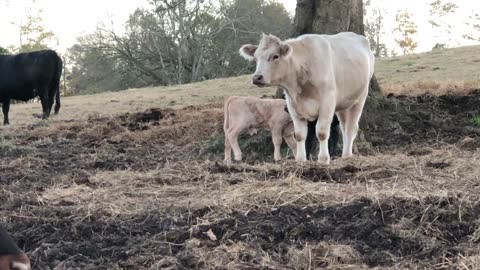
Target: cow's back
[[22, 76]]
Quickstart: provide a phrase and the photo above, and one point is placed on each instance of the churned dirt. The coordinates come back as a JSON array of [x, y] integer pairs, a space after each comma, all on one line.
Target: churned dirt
[[149, 190]]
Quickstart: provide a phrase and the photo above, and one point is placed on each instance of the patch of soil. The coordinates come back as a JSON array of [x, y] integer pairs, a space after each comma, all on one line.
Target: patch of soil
[[403, 121], [382, 231]]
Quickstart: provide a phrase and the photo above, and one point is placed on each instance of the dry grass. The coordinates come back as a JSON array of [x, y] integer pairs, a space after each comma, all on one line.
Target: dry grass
[[437, 72]]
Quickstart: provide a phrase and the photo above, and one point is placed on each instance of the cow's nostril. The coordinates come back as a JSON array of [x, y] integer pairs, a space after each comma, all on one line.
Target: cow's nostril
[[257, 77]]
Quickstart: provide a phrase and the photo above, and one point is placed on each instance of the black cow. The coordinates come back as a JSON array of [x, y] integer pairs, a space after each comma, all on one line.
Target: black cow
[[27, 75], [11, 256]]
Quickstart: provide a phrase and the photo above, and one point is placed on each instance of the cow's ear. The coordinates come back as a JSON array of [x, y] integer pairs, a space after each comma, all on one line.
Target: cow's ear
[[285, 50], [247, 51]]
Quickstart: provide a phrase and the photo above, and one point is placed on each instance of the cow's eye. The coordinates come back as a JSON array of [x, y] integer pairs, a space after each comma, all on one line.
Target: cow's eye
[[275, 57]]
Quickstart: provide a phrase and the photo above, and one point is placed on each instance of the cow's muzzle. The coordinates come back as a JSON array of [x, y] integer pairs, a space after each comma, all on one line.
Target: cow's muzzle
[[258, 80]]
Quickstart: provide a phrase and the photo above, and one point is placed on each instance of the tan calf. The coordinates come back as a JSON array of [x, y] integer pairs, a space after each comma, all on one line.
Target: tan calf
[[251, 113]]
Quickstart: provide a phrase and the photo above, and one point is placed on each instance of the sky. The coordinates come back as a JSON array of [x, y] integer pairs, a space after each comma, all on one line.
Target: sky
[[69, 19]]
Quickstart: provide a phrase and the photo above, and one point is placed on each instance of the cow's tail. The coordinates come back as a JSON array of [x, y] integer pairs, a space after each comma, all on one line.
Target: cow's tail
[[56, 83], [226, 121]]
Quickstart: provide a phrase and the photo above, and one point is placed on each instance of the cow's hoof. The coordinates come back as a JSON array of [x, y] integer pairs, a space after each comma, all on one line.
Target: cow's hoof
[[348, 156], [324, 160], [228, 162]]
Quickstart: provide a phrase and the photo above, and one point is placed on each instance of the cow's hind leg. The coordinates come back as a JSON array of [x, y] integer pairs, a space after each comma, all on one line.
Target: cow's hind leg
[[349, 124], [233, 139], [5, 109], [46, 103]]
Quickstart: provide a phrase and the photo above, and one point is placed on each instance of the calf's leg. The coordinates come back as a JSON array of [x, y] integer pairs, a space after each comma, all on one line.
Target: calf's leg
[[228, 148], [5, 109], [277, 143], [233, 139]]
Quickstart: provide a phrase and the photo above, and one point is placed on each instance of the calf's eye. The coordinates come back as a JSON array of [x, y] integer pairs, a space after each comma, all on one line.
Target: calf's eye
[[275, 57]]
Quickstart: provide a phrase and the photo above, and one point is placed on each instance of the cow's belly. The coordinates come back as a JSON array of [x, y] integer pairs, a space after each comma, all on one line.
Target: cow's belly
[[18, 93]]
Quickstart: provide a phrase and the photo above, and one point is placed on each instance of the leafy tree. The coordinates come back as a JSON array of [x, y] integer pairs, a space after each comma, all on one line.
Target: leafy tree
[[4, 50], [374, 29], [406, 28], [473, 27], [440, 11], [175, 41], [33, 35]]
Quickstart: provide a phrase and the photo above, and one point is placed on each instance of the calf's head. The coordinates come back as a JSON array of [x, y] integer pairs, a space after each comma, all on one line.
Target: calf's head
[[272, 58]]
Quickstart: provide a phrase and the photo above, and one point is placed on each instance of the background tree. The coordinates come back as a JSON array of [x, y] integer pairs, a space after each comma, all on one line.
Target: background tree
[[473, 27], [4, 50], [406, 30], [374, 19], [440, 12], [33, 35], [175, 42]]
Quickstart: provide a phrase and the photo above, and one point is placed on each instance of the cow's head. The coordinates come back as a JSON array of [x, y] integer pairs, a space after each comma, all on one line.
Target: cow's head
[[271, 56]]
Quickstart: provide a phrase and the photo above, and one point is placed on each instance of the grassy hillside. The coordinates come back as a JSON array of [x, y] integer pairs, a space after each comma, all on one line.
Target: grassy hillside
[[437, 72]]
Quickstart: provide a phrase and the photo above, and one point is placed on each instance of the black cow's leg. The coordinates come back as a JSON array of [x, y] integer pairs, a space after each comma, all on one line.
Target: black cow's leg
[[57, 101], [311, 141], [333, 140], [46, 103], [5, 109]]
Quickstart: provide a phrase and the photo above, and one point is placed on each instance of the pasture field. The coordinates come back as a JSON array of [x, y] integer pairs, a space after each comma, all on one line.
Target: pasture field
[[135, 180]]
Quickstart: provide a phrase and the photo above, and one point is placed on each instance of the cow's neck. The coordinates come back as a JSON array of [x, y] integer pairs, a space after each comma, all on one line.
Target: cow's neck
[[300, 89]]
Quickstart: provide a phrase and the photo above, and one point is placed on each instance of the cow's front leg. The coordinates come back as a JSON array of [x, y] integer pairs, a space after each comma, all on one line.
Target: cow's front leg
[[323, 131], [300, 135], [5, 109]]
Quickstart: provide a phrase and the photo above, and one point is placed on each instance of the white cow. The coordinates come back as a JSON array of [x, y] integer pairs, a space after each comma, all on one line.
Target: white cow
[[322, 75], [252, 113]]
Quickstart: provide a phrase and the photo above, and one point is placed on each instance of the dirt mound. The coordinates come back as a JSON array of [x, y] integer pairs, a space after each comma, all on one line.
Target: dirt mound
[[424, 120]]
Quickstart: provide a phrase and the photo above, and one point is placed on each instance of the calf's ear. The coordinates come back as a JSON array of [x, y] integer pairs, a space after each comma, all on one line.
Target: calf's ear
[[247, 51], [285, 50]]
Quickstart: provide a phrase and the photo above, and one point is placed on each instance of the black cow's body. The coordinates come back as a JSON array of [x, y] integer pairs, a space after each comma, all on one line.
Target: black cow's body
[[27, 75]]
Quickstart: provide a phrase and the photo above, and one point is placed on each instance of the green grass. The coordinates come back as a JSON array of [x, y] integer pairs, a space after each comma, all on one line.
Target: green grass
[[476, 121]]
